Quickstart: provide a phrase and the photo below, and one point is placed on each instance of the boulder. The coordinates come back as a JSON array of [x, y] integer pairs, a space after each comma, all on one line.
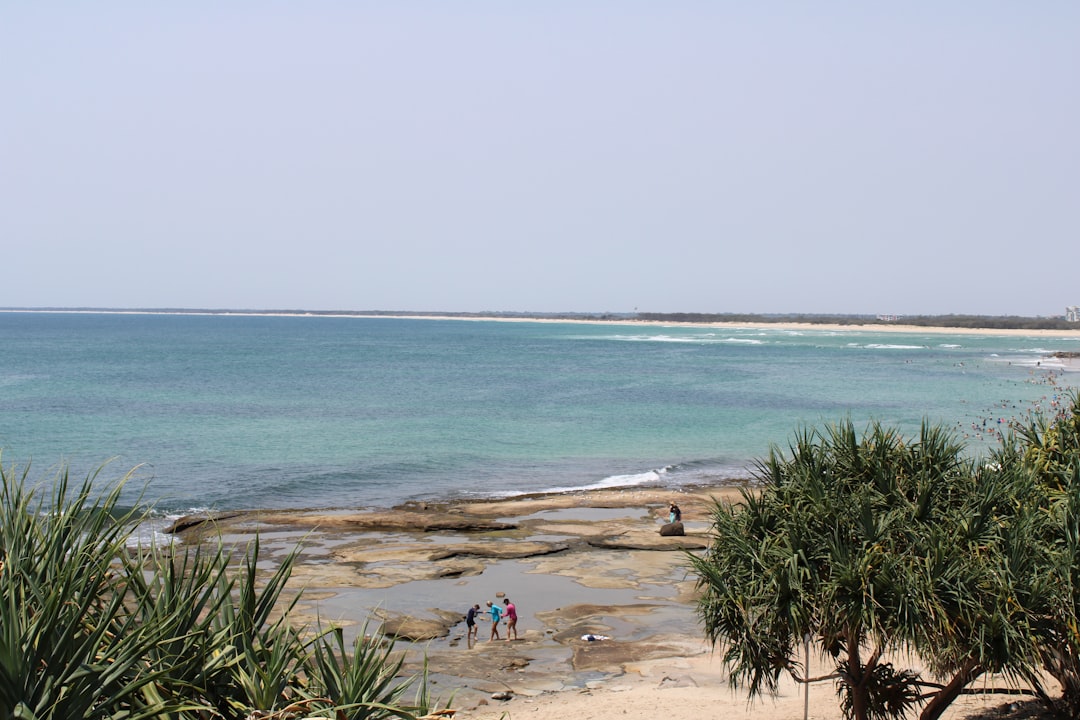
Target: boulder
[[672, 529], [414, 629], [191, 521]]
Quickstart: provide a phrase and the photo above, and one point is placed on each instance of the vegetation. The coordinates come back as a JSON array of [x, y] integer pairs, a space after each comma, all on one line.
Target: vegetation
[[983, 322], [878, 548], [93, 625], [1049, 450]]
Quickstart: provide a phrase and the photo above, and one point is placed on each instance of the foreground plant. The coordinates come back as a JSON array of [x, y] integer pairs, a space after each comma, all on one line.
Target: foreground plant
[[93, 625], [366, 684], [872, 546], [69, 648], [1049, 449]]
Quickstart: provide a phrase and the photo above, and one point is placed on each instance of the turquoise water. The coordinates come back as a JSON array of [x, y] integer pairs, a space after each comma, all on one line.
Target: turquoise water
[[232, 411]]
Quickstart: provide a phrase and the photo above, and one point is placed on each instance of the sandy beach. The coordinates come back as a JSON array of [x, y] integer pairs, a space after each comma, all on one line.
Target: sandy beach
[[890, 327], [885, 327], [607, 623]]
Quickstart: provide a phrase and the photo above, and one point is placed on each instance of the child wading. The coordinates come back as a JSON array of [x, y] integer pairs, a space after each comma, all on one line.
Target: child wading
[[496, 615], [470, 624]]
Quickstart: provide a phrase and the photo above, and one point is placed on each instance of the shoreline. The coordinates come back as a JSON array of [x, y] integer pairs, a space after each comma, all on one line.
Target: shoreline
[[586, 563], [790, 326], [890, 327]]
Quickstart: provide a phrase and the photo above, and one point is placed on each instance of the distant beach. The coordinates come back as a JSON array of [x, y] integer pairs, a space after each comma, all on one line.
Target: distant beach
[[793, 326], [574, 318]]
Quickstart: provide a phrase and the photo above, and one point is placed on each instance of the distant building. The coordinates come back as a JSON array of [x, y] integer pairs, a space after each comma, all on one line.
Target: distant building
[[1072, 313], [888, 318]]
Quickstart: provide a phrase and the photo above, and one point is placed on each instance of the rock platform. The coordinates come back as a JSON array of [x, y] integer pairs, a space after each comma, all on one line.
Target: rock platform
[[591, 563]]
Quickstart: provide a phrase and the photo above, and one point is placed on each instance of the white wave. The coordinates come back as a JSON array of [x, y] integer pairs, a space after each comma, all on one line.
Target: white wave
[[644, 338], [612, 481], [886, 346], [685, 339], [151, 532], [1044, 363], [951, 346]]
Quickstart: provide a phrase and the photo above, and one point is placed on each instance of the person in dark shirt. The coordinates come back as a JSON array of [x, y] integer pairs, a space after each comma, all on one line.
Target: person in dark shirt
[[674, 513], [470, 624]]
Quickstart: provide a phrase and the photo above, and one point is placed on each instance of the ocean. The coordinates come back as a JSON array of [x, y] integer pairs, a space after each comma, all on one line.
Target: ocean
[[233, 411]]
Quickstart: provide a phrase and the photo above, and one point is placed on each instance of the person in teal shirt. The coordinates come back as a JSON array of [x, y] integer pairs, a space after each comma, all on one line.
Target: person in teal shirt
[[496, 616]]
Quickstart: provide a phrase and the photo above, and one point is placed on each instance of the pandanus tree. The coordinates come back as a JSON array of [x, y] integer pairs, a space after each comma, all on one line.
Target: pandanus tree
[[876, 547], [1048, 448]]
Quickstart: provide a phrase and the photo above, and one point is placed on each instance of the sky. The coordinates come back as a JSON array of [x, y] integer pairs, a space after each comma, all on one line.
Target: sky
[[469, 156]]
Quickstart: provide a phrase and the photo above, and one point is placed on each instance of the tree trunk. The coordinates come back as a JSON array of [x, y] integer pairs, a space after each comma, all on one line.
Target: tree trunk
[[941, 701], [1064, 666], [857, 675]]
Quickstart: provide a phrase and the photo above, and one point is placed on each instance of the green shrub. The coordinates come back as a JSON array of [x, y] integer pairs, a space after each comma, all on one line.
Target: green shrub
[[95, 626]]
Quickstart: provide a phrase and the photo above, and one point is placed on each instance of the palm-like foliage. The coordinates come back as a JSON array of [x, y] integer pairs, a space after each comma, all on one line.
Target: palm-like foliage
[[93, 628], [1048, 448], [186, 594], [68, 646], [870, 545], [222, 645], [366, 685], [1051, 445]]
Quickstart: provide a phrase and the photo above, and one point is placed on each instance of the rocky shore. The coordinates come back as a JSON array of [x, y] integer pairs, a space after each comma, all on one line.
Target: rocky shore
[[590, 563], [607, 627]]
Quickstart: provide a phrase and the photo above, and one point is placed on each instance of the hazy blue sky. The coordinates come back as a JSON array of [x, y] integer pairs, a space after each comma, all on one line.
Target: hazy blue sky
[[865, 157]]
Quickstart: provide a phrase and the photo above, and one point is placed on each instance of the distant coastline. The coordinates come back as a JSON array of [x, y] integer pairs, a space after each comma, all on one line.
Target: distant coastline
[[956, 324]]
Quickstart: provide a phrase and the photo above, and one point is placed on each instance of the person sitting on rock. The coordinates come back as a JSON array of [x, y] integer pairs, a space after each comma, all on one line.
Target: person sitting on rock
[[674, 513]]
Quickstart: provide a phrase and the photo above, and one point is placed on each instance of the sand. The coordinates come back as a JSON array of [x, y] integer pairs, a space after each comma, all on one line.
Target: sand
[[697, 687], [890, 327]]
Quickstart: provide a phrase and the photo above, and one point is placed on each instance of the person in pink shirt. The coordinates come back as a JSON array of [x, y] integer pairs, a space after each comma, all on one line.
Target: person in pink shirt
[[511, 619]]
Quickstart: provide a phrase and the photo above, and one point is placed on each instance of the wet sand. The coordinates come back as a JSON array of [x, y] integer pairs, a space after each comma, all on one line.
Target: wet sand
[[590, 563]]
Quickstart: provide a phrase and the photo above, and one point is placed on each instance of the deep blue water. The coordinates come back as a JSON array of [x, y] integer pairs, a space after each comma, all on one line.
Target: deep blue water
[[233, 411]]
